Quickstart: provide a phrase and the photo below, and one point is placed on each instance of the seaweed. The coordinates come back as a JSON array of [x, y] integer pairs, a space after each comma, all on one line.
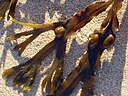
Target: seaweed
[[5, 5], [54, 83]]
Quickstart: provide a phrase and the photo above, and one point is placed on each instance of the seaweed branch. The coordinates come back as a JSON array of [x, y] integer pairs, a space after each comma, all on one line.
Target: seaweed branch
[[54, 83], [5, 5], [99, 41]]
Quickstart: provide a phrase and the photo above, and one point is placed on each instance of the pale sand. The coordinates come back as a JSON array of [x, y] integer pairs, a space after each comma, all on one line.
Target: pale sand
[[112, 77]]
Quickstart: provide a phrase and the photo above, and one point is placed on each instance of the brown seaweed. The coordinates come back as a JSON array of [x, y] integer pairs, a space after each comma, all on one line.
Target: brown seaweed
[[85, 71], [5, 5], [54, 83]]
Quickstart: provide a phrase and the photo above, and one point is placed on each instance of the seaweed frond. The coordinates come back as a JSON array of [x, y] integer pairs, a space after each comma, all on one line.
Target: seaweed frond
[[85, 71], [88, 87], [5, 5], [55, 76], [26, 73], [63, 30], [54, 83]]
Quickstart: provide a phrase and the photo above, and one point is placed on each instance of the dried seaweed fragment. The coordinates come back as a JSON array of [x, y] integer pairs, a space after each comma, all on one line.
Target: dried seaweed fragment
[[5, 5]]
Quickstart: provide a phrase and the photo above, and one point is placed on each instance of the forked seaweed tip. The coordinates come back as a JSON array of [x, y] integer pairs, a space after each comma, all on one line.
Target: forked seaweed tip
[[8, 72]]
